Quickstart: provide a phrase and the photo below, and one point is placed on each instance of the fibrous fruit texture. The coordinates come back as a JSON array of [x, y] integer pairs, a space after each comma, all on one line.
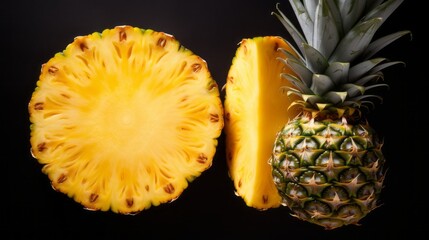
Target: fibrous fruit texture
[[124, 119], [255, 109]]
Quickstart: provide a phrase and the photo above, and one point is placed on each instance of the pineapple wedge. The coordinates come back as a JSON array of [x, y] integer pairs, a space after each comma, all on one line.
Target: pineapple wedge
[[255, 110]]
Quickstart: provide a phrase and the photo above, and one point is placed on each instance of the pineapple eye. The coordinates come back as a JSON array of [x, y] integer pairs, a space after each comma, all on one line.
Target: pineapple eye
[[334, 192], [352, 174], [328, 159], [295, 191], [368, 191], [350, 212], [312, 177], [317, 208]]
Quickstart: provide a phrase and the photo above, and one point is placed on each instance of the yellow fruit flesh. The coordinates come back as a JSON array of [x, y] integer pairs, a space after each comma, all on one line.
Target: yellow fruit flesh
[[124, 119], [255, 110]]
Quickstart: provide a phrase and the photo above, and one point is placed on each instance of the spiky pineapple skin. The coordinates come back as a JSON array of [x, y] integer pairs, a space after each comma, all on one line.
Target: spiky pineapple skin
[[328, 171]]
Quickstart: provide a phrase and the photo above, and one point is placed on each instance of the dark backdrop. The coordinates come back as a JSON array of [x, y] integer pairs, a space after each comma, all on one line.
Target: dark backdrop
[[33, 31]]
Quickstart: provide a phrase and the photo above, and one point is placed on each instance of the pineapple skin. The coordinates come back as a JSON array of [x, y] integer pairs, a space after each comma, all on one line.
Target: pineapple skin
[[328, 172], [255, 109]]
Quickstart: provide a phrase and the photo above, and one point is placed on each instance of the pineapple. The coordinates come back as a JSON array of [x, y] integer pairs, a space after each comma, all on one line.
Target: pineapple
[[124, 119], [255, 109], [327, 163]]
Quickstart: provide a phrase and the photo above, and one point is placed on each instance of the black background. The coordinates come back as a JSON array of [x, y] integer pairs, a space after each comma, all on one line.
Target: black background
[[33, 31]]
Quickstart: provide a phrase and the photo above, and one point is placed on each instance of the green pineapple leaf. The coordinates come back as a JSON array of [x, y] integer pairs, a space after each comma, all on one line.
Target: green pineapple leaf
[[351, 12], [382, 42], [355, 41], [362, 68], [338, 72], [316, 62], [321, 84], [304, 19], [326, 30]]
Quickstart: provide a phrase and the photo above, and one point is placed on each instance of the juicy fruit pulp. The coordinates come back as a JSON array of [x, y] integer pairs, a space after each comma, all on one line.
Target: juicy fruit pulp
[[124, 119], [255, 109]]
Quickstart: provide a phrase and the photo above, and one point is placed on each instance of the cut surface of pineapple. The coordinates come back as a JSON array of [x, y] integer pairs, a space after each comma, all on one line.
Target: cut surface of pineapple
[[124, 119], [255, 110]]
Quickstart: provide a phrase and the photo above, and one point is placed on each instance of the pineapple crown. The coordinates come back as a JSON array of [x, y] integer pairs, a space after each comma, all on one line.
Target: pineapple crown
[[335, 66]]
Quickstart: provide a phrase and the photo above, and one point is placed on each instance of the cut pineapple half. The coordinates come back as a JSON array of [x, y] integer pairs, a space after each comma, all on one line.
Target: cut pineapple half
[[124, 119], [255, 110]]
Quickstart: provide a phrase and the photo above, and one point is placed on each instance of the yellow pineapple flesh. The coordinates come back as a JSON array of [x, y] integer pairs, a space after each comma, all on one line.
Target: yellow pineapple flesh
[[124, 119], [255, 110]]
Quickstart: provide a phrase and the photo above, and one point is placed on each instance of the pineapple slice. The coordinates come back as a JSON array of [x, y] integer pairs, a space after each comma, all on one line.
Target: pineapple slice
[[255, 110], [124, 119]]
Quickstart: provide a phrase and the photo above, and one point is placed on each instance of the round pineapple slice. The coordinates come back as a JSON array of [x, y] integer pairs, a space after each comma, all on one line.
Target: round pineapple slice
[[124, 119], [255, 110]]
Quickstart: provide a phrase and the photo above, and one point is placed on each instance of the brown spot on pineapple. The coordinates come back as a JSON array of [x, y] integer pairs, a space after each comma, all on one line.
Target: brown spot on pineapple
[[184, 99], [122, 35], [196, 67], [130, 202], [52, 70], [212, 86], [230, 79], [276, 46], [147, 188], [229, 156], [161, 42], [265, 199], [38, 106], [239, 183], [65, 95], [227, 116], [169, 188], [214, 117], [62, 178], [202, 158], [93, 197], [41, 147], [83, 47]]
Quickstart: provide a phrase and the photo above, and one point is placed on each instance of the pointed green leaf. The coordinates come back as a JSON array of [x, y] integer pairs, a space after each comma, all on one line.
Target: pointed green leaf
[[315, 61], [362, 68], [292, 54], [382, 42], [371, 4], [380, 67], [321, 84], [312, 99], [326, 34], [301, 70], [304, 19], [376, 86], [335, 97], [351, 11], [297, 83], [368, 78], [311, 5], [382, 11], [353, 90], [296, 35], [338, 72], [360, 98], [355, 42]]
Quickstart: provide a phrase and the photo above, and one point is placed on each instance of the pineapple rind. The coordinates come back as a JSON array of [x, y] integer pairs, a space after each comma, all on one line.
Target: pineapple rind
[[125, 119], [328, 172]]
